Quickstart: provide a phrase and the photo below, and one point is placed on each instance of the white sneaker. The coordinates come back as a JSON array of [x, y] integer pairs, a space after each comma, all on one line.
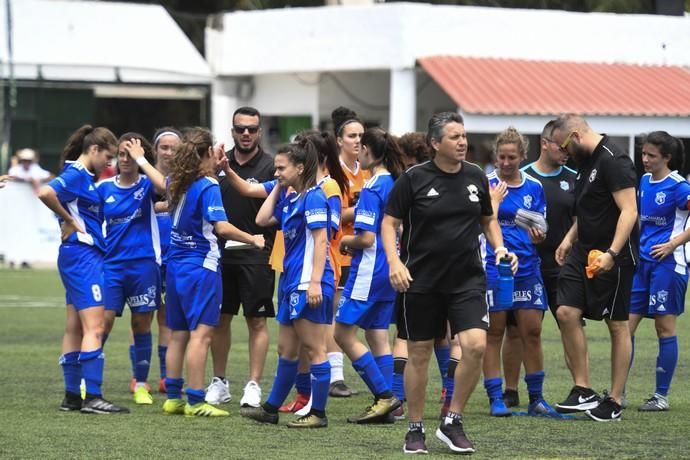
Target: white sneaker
[[306, 409], [252, 395], [218, 391]]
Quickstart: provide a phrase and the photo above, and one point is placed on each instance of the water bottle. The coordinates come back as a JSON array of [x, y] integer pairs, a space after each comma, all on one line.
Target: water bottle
[[505, 285]]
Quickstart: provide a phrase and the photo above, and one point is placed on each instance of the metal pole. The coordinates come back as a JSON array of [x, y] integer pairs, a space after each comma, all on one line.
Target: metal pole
[[10, 104]]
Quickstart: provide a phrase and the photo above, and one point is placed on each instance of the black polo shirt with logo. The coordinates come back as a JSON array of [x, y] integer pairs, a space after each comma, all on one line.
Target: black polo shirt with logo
[[441, 214], [608, 170], [242, 211], [559, 189]]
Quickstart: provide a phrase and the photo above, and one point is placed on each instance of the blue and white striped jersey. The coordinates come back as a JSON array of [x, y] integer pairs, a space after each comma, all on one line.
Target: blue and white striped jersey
[[298, 215], [368, 279], [130, 224], [663, 215], [76, 190], [528, 195], [191, 237]]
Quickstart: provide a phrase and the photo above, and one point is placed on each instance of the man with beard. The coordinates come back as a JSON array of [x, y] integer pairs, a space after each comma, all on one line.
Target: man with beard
[[605, 220], [247, 276]]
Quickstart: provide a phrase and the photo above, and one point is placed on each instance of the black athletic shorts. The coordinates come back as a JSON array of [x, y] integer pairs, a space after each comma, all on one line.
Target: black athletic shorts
[[606, 296], [249, 285], [344, 274], [425, 316]]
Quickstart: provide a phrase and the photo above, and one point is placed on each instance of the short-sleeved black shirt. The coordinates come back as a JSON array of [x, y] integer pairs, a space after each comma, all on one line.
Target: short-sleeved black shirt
[[242, 211], [559, 189], [608, 170], [441, 215]]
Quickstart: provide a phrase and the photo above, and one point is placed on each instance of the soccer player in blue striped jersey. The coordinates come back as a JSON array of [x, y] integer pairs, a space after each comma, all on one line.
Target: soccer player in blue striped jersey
[[73, 197], [306, 309], [165, 143], [661, 277], [193, 280], [368, 299], [133, 253], [529, 299]]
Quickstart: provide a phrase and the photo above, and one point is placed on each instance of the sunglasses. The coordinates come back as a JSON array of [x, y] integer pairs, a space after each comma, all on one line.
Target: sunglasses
[[239, 129], [564, 145]]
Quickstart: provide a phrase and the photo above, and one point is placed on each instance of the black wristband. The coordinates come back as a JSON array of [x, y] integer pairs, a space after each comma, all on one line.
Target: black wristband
[[613, 253]]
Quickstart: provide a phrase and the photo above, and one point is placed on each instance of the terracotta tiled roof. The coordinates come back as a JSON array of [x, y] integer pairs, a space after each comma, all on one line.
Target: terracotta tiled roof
[[522, 87]]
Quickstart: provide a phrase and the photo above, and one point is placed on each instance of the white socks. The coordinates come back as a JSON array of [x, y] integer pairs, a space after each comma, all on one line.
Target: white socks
[[336, 361]]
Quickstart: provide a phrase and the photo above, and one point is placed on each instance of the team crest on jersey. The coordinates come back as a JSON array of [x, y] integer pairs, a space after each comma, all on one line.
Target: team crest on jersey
[[660, 198], [294, 299], [565, 185], [592, 175], [527, 201], [473, 193], [139, 194]]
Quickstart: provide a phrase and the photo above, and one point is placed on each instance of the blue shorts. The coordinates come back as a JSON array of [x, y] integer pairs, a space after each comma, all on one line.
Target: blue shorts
[[294, 306], [367, 315], [658, 289], [81, 270], [194, 296], [136, 282], [528, 293]]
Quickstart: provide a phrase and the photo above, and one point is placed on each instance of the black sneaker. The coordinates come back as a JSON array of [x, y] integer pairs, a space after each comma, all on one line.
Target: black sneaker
[[453, 435], [511, 398], [415, 443], [338, 389], [579, 399], [608, 410], [259, 414], [71, 402], [99, 405]]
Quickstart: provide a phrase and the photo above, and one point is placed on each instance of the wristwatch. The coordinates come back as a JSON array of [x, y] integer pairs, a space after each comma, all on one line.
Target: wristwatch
[[613, 253]]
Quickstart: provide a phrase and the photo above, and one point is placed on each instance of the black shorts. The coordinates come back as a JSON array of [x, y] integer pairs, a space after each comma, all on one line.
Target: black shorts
[[425, 316], [606, 296], [344, 274], [249, 285]]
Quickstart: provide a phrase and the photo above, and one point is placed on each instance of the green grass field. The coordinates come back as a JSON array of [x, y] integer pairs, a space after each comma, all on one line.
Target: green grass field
[[31, 325]]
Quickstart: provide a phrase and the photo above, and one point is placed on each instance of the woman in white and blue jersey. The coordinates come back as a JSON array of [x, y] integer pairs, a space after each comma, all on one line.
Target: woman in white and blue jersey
[[193, 279], [306, 309], [133, 252], [165, 143], [368, 299], [529, 299], [661, 276], [73, 197]]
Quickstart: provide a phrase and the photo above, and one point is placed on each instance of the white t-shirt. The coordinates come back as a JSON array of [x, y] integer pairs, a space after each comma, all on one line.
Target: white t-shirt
[[35, 172]]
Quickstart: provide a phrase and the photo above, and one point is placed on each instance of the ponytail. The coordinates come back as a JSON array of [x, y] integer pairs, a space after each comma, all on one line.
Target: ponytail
[[384, 149], [327, 151], [83, 138], [187, 163]]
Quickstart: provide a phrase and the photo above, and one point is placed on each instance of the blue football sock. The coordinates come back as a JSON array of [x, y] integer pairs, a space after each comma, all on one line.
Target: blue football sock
[[535, 385], [162, 350], [71, 371], [282, 384], [174, 387], [442, 359], [450, 378], [143, 345], [133, 360], [92, 363], [494, 388], [666, 363], [366, 367], [303, 384], [321, 373], [399, 378], [385, 364], [195, 396]]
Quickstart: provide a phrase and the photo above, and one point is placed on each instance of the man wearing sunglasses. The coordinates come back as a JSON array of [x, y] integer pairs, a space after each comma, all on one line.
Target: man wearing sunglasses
[[605, 220], [247, 276]]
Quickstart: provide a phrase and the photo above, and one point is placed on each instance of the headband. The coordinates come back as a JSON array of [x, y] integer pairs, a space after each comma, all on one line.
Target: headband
[[347, 122], [165, 133]]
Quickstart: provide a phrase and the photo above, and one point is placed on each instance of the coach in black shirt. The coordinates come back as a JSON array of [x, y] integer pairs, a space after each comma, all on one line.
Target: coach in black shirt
[[443, 205], [247, 277], [606, 220]]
